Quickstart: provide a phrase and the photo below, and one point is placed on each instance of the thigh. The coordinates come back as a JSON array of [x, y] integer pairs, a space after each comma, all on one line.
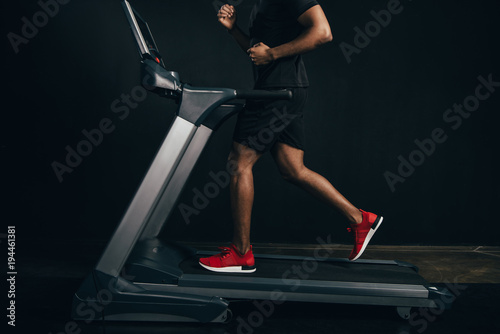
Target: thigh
[[263, 123], [294, 133]]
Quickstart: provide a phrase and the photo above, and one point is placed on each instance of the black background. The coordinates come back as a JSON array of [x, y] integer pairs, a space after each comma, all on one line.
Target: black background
[[361, 117]]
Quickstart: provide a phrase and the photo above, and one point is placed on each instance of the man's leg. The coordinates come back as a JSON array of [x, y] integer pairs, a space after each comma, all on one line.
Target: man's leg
[[364, 224], [290, 163], [242, 193], [238, 258]]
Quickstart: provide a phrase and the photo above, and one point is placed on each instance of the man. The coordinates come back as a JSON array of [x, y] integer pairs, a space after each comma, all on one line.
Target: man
[[280, 32]]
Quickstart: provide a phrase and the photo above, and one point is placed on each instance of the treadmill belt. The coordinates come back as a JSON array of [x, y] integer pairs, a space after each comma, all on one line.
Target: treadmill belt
[[321, 271]]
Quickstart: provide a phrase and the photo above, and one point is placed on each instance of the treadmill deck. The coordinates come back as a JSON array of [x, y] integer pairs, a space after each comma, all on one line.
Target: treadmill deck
[[339, 270]]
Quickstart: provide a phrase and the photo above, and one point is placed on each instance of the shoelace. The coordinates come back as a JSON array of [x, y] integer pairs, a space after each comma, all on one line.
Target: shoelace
[[225, 252]]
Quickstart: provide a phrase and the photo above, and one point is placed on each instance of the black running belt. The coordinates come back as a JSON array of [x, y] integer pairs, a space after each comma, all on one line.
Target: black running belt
[[321, 271]]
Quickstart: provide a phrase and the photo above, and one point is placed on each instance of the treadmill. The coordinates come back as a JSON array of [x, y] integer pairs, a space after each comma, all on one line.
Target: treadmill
[[142, 278]]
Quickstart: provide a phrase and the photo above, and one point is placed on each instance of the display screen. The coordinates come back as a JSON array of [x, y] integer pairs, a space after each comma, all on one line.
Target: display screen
[[144, 38]]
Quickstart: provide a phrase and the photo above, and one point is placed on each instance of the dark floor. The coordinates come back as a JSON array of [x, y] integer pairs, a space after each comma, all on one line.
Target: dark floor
[[48, 277]]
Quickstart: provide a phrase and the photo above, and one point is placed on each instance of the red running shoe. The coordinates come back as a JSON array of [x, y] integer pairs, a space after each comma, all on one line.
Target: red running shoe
[[364, 232], [230, 260]]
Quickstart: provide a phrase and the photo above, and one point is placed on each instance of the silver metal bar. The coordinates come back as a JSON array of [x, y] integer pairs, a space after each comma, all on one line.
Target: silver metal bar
[[168, 199], [156, 180], [321, 287], [415, 297]]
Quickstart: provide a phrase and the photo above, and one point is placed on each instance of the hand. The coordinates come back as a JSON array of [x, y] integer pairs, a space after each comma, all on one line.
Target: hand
[[260, 54], [227, 16]]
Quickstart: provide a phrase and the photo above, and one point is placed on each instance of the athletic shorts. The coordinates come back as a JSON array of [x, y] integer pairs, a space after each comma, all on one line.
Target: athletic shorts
[[262, 123]]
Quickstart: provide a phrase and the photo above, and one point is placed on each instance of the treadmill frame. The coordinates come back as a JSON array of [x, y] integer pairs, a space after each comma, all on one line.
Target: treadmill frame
[[160, 291]]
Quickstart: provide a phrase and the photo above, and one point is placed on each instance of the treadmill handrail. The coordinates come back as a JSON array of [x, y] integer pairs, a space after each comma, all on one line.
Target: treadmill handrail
[[282, 94]]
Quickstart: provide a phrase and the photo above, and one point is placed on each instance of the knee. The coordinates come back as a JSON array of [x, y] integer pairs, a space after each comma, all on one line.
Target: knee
[[239, 164], [293, 175], [240, 169]]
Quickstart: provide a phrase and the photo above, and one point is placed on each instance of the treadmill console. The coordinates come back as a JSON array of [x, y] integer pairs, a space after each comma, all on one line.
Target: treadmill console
[[155, 76]]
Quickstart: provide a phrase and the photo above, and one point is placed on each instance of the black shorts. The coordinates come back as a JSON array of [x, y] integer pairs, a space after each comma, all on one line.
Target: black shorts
[[264, 122]]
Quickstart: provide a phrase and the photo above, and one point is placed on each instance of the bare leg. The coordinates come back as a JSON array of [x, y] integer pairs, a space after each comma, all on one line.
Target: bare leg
[[242, 194], [290, 162]]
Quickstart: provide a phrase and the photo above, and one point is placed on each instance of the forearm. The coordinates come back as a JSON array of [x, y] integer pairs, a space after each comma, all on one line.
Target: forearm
[[310, 39], [240, 37]]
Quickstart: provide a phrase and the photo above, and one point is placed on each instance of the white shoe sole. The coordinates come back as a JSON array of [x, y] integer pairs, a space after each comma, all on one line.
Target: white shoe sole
[[368, 238], [235, 269]]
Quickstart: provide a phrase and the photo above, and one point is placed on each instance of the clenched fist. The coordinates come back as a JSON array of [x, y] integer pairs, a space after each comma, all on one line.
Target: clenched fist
[[260, 54], [227, 16]]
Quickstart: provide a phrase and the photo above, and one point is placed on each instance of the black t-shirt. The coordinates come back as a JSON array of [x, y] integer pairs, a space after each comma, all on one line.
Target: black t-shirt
[[274, 22]]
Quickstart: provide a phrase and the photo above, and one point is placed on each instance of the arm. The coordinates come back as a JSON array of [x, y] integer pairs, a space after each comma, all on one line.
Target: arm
[[227, 17], [317, 33], [241, 38]]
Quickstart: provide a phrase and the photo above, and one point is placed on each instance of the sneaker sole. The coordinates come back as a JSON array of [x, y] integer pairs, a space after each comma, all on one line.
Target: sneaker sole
[[372, 231], [234, 269]]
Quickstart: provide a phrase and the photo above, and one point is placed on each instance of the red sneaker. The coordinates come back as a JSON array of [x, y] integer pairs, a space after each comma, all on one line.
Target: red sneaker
[[364, 232], [230, 260]]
